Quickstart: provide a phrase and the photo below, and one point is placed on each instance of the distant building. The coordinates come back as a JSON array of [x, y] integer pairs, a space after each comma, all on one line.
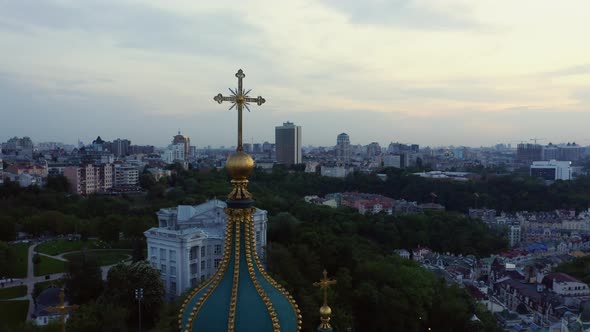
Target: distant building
[[121, 147], [570, 152], [373, 149], [141, 149], [335, 171], [175, 152], [395, 160], [89, 179], [551, 170], [18, 146], [126, 176], [187, 246], [184, 140], [343, 148], [514, 237], [288, 144], [98, 145], [527, 153], [564, 284]]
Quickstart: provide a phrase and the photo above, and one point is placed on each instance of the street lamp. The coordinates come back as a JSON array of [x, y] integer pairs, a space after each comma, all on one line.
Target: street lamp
[[139, 297]]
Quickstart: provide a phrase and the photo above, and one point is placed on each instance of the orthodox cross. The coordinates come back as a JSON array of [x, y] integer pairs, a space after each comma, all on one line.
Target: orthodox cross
[[240, 98], [62, 309], [324, 284]]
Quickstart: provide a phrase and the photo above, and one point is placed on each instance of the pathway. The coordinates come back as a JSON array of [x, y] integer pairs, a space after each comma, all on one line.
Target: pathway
[[31, 279]]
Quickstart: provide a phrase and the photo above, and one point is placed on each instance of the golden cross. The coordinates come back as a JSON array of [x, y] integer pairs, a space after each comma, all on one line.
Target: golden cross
[[240, 98], [62, 309], [324, 284]]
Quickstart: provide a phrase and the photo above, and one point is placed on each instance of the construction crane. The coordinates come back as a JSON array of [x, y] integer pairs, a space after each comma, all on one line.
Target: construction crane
[[536, 139]]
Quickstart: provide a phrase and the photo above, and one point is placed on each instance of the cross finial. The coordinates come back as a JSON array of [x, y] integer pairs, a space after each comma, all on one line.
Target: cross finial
[[324, 284], [62, 309], [325, 310], [240, 99]]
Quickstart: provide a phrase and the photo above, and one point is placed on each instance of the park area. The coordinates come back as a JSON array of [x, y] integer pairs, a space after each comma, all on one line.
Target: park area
[[103, 257], [60, 246], [20, 263], [13, 312], [13, 292]]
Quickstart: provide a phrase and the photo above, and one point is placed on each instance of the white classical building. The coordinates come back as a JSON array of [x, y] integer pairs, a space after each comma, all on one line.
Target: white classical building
[[187, 247]]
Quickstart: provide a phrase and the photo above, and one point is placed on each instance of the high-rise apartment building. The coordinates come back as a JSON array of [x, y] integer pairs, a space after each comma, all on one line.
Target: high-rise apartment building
[[343, 148], [373, 149], [88, 179], [288, 144], [185, 140], [126, 176], [120, 147], [528, 153]]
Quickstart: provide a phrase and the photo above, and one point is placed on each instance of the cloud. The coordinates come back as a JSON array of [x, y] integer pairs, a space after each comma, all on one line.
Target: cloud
[[411, 14], [568, 71], [135, 25]]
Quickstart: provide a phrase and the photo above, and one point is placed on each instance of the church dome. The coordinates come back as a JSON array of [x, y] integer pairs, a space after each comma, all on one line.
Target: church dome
[[241, 296]]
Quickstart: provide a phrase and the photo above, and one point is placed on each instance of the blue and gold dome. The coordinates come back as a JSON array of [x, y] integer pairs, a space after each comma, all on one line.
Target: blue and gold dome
[[241, 296]]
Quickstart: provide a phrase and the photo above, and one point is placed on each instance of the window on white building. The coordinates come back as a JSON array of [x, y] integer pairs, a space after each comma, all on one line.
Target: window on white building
[[153, 251], [257, 237], [173, 270], [209, 250], [162, 254], [193, 268], [203, 251], [218, 249], [208, 263], [216, 263], [172, 254], [202, 265], [173, 286], [163, 268], [193, 253]]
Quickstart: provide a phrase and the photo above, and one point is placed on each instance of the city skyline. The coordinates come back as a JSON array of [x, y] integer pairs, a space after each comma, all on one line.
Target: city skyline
[[462, 73]]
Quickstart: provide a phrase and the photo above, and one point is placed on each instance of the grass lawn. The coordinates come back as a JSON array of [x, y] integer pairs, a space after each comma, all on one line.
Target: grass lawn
[[56, 247], [49, 265], [105, 257], [22, 252], [13, 312], [12, 292]]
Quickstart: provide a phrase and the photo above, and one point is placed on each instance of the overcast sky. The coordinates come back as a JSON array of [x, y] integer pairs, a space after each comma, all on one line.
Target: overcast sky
[[414, 71]]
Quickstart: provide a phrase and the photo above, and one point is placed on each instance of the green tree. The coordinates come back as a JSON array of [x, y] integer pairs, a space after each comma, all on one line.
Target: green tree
[[58, 184], [84, 279], [7, 228], [97, 317], [109, 228], [121, 283]]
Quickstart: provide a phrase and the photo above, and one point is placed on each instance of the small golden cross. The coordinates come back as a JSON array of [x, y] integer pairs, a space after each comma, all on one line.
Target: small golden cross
[[324, 284], [62, 309]]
